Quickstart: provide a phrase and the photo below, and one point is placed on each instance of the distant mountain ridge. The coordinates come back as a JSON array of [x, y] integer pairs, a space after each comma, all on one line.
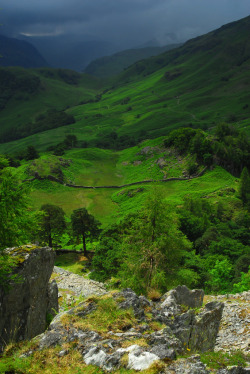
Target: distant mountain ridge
[[15, 52], [108, 66], [219, 51], [200, 84], [67, 53]]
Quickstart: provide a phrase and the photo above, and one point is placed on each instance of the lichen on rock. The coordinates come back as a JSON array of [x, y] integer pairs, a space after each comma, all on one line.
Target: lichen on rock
[[25, 305]]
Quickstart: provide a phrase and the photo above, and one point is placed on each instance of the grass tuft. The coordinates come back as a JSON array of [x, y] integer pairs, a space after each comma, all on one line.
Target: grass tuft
[[218, 360], [107, 316]]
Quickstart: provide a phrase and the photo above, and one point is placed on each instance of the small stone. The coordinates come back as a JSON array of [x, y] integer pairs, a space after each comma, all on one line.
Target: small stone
[[95, 356], [164, 352], [63, 353], [141, 361]]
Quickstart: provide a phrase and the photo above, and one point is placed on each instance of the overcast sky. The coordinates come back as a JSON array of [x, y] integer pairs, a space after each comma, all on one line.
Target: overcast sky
[[124, 22]]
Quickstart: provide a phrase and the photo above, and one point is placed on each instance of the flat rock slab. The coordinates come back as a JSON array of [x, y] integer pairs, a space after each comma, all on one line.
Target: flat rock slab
[[77, 284]]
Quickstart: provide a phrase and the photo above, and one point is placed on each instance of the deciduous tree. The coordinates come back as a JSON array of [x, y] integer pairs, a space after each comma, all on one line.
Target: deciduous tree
[[17, 222], [52, 223], [84, 225], [153, 247], [31, 153]]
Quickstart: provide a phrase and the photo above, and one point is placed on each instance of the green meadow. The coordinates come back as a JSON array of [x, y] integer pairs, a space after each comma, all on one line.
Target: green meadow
[[199, 85], [156, 233], [97, 167]]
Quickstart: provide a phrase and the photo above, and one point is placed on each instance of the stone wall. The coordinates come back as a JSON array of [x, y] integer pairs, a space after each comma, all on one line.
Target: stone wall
[[25, 306]]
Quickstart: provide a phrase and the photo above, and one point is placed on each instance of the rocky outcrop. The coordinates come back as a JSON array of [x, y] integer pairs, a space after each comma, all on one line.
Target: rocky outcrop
[[204, 328], [27, 303], [181, 296], [193, 365], [140, 345], [196, 329], [234, 332], [77, 285]]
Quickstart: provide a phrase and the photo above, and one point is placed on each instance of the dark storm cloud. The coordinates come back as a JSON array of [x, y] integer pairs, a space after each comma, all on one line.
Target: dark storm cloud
[[120, 21]]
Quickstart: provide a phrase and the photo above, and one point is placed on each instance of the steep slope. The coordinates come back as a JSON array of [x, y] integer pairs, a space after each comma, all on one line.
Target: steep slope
[[28, 95], [218, 51], [202, 83], [15, 52], [109, 66]]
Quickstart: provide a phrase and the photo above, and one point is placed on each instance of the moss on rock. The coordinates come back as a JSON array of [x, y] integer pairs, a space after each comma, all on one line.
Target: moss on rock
[[20, 254]]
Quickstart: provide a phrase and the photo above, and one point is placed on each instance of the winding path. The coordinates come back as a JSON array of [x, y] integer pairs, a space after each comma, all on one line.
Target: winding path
[[76, 284]]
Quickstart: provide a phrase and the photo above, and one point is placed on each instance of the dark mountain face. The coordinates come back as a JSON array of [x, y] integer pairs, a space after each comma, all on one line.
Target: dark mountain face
[[109, 66], [216, 52], [202, 83], [15, 52], [70, 53]]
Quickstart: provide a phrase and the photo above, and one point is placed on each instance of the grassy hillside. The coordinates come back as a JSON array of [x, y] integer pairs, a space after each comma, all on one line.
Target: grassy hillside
[[218, 51], [96, 167], [15, 52], [186, 220], [202, 83], [110, 66], [198, 85], [29, 93], [208, 207], [120, 188]]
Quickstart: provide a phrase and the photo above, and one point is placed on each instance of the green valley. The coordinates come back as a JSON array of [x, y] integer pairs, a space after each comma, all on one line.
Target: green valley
[[200, 84], [174, 126], [137, 181], [28, 95]]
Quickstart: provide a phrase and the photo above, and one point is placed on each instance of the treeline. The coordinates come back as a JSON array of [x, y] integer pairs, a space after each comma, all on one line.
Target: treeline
[[17, 84], [70, 141], [68, 76], [46, 121], [109, 141], [114, 141], [19, 224], [201, 245], [227, 147], [220, 239], [31, 153]]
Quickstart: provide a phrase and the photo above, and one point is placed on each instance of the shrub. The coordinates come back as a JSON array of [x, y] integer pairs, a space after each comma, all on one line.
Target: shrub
[[244, 284]]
